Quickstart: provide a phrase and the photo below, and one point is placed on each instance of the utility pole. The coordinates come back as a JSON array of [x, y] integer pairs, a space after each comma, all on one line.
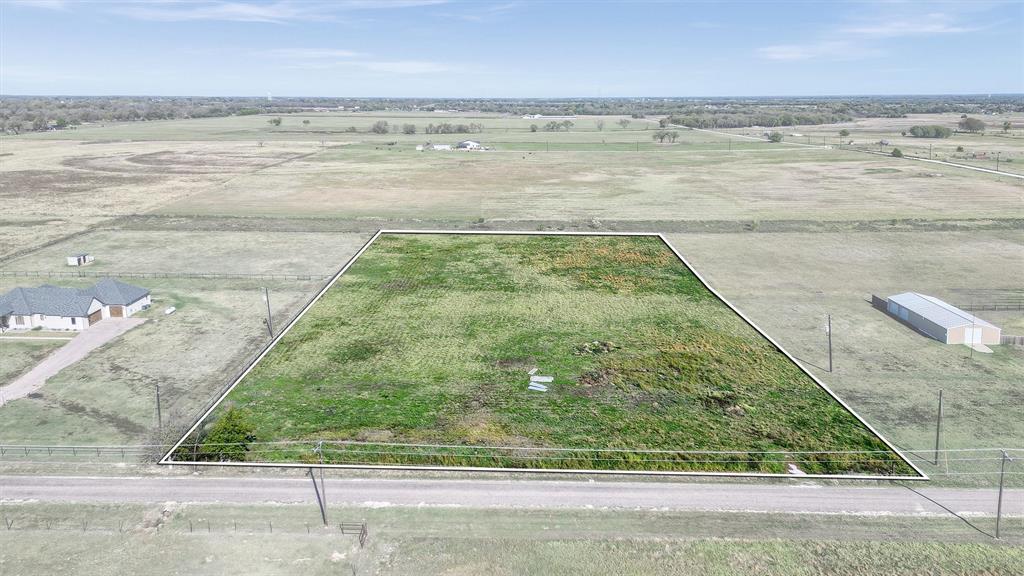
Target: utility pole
[[828, 331], [997, 161], [999, 504], [319, 500], [929, 151], [938, 429], [159, 417], [270, 318]]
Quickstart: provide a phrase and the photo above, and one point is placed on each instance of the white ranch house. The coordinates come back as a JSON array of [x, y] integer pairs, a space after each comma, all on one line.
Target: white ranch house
[[56, 308]]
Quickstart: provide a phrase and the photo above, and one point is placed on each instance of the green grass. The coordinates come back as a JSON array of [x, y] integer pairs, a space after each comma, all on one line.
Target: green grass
[[19, 356], [427, 339]]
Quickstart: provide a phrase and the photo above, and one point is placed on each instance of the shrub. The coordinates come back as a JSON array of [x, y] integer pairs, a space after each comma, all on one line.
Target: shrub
[[274, 121], [229, 437], [379, 127], [844, 132], [897, 153], [775, 137], [959, 148]]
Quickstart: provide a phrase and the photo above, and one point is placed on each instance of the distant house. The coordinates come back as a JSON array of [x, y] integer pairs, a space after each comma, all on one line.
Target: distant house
[[469, 145], [440, 146], [56, 308], [80, 259], [942, 321]]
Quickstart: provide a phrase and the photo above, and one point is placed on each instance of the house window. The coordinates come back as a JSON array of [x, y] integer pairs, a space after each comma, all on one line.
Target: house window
[[19, 320], [73, 321]]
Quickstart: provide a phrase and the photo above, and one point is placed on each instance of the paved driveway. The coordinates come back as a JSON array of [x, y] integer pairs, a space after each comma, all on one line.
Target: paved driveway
[[76, 349]]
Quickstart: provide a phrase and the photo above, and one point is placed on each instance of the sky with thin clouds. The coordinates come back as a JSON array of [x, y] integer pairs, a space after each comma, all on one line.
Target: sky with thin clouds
[[452, 48]]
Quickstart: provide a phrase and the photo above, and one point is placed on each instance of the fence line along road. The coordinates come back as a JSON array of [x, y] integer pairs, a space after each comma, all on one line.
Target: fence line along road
[[188, 275]]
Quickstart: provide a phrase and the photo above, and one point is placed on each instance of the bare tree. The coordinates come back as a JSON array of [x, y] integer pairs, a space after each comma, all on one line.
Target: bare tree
[[408, 128], [624, 123], [600, 125]]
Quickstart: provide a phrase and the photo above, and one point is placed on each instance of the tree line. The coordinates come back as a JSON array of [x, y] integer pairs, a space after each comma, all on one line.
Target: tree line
[[27, 113]]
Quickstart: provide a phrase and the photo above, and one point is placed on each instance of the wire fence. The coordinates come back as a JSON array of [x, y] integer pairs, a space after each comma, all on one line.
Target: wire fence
[[942, 463], [175, 275], [181, 526]]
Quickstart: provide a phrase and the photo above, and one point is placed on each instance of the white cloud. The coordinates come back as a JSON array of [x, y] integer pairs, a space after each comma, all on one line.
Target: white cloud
[[275, 12], [45, 4], [831, 50], [933, 24]]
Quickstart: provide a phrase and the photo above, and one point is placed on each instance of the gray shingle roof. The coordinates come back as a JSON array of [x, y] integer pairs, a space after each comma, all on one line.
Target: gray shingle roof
[[942, 313], [68, 302], [110, 291]]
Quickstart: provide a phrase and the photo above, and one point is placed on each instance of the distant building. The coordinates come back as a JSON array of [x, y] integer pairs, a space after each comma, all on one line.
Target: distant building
[[469, 145], [79, 259], [942, 321], [56, 308], [440, 146]]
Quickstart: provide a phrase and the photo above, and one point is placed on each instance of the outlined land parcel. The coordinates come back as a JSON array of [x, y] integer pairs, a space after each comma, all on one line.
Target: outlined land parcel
[[424, 350]]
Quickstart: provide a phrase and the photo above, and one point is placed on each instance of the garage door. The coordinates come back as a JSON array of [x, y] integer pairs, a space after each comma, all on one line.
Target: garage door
[[95, 316], [117, 311]]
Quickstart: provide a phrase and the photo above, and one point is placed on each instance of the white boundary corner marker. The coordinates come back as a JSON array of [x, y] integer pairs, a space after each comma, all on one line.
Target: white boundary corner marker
[[166, 460]]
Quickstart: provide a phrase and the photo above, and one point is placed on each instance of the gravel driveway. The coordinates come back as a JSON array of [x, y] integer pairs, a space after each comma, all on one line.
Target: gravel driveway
[[76, 349]]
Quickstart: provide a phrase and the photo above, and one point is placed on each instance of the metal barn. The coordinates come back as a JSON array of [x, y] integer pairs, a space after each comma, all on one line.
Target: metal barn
[[942, 321]]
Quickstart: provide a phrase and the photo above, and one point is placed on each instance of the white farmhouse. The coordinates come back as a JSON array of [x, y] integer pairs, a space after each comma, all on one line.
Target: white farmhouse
[[469, 145], [56, 308]]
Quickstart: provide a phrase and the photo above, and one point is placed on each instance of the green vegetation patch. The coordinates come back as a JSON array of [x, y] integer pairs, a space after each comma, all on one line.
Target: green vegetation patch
[[422, 353]]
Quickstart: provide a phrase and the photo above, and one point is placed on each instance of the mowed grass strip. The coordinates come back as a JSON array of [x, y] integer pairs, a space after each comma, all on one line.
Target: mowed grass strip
[[428, 339]]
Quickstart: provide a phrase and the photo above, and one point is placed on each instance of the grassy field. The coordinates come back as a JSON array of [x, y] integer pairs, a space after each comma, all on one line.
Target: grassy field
[[427, 339], [19, 356], [157, 539], [205, 196]]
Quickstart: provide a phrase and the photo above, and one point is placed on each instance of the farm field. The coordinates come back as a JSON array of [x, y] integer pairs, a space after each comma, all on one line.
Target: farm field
[[201, 196], [420, 354], [974, 149], [214, 539]]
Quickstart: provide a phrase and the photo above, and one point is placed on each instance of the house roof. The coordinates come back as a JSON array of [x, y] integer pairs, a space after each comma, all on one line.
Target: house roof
[[110, 291], [48, 300], [68, 302], [942, 313]]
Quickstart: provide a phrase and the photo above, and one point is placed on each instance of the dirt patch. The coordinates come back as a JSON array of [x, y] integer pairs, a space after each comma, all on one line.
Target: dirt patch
[[42, 185], [121, 423]]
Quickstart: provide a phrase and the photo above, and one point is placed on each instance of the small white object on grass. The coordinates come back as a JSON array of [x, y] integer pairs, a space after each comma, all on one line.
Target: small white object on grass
[[792, 469], [169, 310], [542, 378], [538, 387], [532, 372]]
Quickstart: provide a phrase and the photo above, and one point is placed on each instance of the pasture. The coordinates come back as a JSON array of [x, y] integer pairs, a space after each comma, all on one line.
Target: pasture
[[205, 196], [431, 340]]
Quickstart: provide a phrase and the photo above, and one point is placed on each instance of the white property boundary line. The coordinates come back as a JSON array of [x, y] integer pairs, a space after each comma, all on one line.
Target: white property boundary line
[[166, 460]]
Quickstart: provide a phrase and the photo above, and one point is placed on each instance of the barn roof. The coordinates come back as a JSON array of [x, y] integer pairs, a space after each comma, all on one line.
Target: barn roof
[[942, 313]]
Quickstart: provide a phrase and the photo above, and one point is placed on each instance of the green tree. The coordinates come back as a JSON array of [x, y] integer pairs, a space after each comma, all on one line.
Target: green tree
[[673, 135], [624, 123], [533, 127], [305, 122], [1007, 125], [380, 127], [408, 128], [844, 132], [971, 125], [775, 137], [896, 152], [930, 132], [229, 438], [276, 121]]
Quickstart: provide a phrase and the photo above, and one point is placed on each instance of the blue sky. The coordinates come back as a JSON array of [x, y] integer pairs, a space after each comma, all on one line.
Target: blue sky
[[432, 48]]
